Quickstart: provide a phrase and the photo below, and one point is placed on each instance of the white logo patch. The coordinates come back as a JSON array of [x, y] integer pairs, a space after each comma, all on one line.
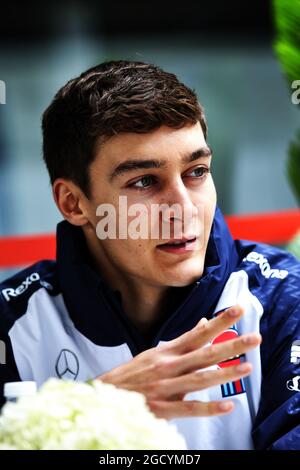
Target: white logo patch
[[10, 292], [265, 267], [294, 384], [295, 352], [67, 365]]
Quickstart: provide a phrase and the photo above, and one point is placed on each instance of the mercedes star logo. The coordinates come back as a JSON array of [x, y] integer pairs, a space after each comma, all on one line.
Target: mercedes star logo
[[67, 365]]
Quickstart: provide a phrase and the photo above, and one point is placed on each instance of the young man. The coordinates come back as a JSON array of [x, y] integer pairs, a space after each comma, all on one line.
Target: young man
[[120, 140]]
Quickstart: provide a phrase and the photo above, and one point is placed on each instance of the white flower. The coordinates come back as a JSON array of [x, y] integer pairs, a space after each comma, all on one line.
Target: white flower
[[75, 415]]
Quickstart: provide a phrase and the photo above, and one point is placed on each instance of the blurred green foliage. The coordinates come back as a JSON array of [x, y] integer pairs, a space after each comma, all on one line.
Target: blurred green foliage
[[287, 48], [287, 42], [293, 165]]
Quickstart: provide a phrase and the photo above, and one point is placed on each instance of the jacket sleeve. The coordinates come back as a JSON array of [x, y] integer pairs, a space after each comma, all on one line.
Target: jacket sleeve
[[277, 424]]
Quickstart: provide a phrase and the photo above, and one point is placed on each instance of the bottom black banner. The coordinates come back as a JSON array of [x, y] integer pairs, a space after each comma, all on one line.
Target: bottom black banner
[[134, 459]]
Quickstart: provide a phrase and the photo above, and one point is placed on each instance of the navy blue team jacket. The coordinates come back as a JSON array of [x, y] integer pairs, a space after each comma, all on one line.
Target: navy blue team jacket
[[60, 319]]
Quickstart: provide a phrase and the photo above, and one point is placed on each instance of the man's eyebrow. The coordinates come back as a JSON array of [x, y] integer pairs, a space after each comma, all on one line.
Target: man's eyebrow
[[137, 164], [199, 153]]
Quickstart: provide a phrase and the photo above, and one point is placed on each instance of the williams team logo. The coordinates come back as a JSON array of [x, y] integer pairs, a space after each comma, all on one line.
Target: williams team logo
[[238, 386], [67, 365]]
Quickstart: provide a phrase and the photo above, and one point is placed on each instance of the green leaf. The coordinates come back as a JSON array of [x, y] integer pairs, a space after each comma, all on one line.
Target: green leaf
[[287, 36], [287, 48], [293, 166]]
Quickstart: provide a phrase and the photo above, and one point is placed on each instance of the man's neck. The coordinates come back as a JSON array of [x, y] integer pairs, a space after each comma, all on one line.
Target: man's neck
[[147, 306]]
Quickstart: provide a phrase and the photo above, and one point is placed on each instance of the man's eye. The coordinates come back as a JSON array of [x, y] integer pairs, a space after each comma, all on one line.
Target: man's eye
[[143, 183], [199, 172]]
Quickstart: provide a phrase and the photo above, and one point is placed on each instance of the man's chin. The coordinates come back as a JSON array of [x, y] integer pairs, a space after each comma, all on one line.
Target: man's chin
[[183, 279]]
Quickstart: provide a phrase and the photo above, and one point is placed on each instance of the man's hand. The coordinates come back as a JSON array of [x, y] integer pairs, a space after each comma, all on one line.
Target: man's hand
[[166, 373]]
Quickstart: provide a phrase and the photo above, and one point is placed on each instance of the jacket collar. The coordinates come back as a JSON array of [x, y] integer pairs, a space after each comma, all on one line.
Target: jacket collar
[[86, 294]]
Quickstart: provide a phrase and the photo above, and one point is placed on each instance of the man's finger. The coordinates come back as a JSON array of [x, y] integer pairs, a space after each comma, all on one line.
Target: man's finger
[[181, 409], [199, 380], [215, 354], [203, 332]]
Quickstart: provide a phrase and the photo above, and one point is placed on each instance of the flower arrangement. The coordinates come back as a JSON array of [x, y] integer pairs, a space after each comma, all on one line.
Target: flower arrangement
[[93, 416]]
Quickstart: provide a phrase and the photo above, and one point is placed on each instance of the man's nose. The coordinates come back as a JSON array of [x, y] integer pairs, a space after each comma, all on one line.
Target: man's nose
[[178, 195]]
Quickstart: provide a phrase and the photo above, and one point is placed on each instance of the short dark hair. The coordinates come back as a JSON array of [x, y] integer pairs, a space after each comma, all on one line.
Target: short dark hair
[[113, 97]]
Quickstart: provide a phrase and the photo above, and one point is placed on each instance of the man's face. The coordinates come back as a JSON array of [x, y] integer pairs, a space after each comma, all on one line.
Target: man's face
[[170, 167]]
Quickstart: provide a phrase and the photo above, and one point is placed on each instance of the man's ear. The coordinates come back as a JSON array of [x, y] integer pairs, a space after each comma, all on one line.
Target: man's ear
[[69, 200]]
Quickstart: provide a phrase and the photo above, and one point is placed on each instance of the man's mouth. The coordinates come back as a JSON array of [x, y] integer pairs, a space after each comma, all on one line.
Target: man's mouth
[[179, 245]]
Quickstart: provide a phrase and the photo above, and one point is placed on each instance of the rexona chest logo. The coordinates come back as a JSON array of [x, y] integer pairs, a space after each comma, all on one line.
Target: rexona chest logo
[[10, 292], [265, 267]]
